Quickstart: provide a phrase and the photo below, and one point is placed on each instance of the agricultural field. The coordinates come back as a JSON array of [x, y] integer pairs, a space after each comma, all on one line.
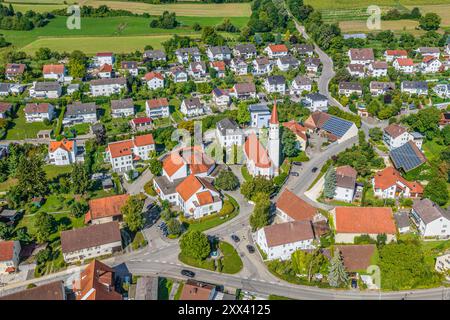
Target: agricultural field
[[348, 4]]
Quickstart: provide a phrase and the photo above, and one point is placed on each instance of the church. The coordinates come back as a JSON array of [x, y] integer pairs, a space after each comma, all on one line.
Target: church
[[259, 160]]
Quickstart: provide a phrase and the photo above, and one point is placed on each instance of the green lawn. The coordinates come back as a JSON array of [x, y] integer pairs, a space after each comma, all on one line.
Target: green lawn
[[231, 261], [164, 288], [20, 129], [207, 264], [80, 129], [179, 290], [245, 174], [432, 150], [53, 171]]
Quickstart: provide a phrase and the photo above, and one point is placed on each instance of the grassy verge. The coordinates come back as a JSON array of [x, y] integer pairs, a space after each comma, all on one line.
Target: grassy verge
[[179, 290], [322, 172], [245, 174], [231, 261], [207, 264], [275, 297]]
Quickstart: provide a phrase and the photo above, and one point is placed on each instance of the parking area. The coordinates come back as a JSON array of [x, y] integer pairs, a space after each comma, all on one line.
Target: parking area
[[25, 272]]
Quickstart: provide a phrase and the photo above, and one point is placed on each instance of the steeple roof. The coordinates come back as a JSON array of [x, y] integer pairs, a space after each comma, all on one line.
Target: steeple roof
[[274, 116]]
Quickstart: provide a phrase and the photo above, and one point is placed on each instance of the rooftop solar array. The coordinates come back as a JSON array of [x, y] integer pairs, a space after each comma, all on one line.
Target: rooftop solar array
[[337, 126], [406, 157]]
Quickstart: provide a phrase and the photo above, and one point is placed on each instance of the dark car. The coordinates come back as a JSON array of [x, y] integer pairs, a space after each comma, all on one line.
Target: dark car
[[295, 174], [354, 284], [314, 169], [235, 238], [187, 273], [296, 163], [250, 249]]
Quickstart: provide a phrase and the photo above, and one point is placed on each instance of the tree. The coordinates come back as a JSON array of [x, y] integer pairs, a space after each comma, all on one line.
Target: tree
[[329, 188], [195, 244], [261, 211], [174, 226], [376, 134], [309, 263], [337, 275], [132, 213], [78, 208], [257, 185], [430, 21], [32, 177], [226, 180], [155, 166], [243, 115], [45, 225], [5, 231], [436, 190], [80, 178], [289, 143]]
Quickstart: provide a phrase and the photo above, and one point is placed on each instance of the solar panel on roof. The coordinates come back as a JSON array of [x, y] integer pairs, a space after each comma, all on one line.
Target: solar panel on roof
[[337, 126], [405, 157]]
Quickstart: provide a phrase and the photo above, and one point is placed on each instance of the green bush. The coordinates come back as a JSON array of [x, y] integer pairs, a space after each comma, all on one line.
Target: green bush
[[138, 241], [227, 208]]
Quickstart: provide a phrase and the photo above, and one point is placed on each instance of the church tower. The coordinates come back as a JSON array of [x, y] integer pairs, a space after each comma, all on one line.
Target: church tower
[[274, 139]]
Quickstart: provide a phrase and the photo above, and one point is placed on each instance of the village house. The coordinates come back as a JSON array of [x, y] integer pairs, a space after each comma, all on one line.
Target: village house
[[312, 65], [345, 183], [378, 69], [356, 70], [362, 56], [157, 108], [261, 66], [195, 290], [300, 133], [402, 221], [300, 84], [303, 49], [290, 207], [279, 241], [9, 256], [122, 154], [141, 124], [391, 55], [154, 80], [197, 70], [105, 71], [430, 64], [259, 115], [396, 135], [63, 152], [260, 160], [219, 67], [96, 282], [275, 84], [444, 120], [349, 88], [14, 71], [380, 88], [415, 87], [218, 53], [185, 55], [334, 128], [37, 112], [107, 87], [90, 242], [442, 264], [405, 65], [105, 210], [154, 55], [221, 97], [389, 184], [442, 90], [102, 58], [429, 51], [286, 63], [50, 291], [5, 109], [229, 134], [79, 112], [130, 67], [351, 222], [276, 50], [407, 157], [245, 51], [243, 91], [430, 219], [239, 66], [50, 90], [54, 71], [178, 74], [122, 108], [192, 107], [72, 88], [316, 102]]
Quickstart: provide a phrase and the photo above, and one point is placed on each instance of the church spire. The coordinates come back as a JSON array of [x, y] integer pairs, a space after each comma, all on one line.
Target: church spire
[[274, 116]]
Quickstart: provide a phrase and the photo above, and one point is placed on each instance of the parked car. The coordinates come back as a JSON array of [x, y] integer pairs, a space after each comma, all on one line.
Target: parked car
[[188, 273], [295, 174], [354, 284], [235, 238], [314, 169], [250, 249], [297, 163]]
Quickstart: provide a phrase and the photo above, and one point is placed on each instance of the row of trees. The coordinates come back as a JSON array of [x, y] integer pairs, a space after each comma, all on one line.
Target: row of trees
[[11, 20]]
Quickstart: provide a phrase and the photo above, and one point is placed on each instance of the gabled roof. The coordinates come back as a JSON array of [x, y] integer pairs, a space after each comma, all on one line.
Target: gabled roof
[[151, 75], [122, 104], [191, 185], [288, 232], [397, 53], [157, 103], [49, 291], [144, 140], [278, 48], [407, 157], [364, 220], [106, 207], [346, 177], [361, 54], [389, 176], [7, 250], [64, 144], [295, 207], [296, 128], [53, 69], [194, 290], [120, 148], [37, 108], [429, 211], [394, 130], [255, 151], [105, 68], [405, 62]]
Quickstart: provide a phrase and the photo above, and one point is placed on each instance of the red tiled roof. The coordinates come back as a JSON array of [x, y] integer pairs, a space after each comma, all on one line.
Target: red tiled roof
[[188, 187], [397, 53], [121, 148], [106, 207], [405, 62], [278, 48], [427, 59], [295, 207], [144, 140], [5, 106], [157, 103], [389, 176], [53, 69], [220, 65], [364, 220], [196, 291], [151, 75], [6, 250], [36, 108], [395, 130], [64, 144], [106, 68], [255, 151], [346, 171], [142, 120], [172, 163], [205, 197], [274, 115], [104, 54], [296, 128]]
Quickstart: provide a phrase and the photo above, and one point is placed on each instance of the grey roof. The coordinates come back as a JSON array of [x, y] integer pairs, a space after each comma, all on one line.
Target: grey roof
[[402, 219], [350, 86], [275, 80], [8, 213], [220, 50], [106, 81], [303, 48], [429, 50], [227, 124], [154, 54], [337, 126], [415, 85], [259, 108], [166, 186], [289, 59], [122, 104], [128, 64], [355, 36], [382, 85], [47, 86], [81, 108], [245, 87], [303, 81], [192, 103], [189, 51], [4, 87], [429, 211], [312, 61], [407, 157], [417, 135], [246, 48], [315, 96]]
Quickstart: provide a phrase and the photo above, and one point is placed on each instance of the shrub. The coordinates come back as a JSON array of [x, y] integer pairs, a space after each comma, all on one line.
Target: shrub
[[227, 208]]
